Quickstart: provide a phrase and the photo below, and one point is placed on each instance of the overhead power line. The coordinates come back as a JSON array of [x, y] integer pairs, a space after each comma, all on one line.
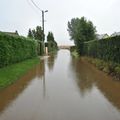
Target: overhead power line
[[35, 5], [43, 12], [31, 5]]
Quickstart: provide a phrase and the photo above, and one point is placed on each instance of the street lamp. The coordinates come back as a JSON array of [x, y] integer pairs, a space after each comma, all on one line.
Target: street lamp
[[43, 22], [43, 37], [42, 15]]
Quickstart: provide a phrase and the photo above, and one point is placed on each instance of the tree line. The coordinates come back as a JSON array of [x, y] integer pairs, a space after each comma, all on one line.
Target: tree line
[[38, 35]]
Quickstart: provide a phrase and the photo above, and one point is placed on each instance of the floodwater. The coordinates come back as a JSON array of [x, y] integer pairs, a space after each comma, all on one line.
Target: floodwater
[[62, 88]]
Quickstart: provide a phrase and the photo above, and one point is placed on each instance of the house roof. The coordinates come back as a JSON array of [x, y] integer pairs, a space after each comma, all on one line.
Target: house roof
[[11, 33]]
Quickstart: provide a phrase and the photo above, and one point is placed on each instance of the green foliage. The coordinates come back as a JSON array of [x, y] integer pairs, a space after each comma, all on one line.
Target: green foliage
[[110, 68], [117, 70], [39, 33], [81, 30], [50, 37], [36, 33], [106, 49], [40, 48], [15, 49], [46, 44], [52, 46], [72, 48], [30, 34], [73, 51], [51, 43]]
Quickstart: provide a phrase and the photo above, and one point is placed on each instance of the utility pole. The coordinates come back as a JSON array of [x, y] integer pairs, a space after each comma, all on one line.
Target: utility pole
[[43, 23], [42, 16]]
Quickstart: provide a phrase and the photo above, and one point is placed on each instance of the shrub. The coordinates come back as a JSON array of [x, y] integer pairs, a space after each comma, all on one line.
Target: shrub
[[72, 48], [15, 49], [52, 46], [117, 70]]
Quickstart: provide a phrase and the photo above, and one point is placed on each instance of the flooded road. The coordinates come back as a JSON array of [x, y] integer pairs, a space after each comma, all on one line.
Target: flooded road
[[62, 88]]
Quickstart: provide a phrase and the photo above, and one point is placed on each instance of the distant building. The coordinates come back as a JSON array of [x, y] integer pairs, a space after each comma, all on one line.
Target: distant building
[[115, 34], [12, 33], [102, 36], [64, 47]]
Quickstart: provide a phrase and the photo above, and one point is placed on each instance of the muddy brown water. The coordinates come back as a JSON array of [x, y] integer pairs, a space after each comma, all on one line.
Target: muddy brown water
[[62, 88]]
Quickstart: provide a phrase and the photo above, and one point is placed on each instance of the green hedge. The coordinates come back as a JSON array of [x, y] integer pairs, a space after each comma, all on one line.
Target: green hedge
[[40, 47], [106, 49], [15, 49]]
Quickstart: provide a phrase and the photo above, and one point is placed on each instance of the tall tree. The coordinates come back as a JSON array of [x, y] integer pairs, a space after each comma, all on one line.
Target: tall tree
[[39, 33], [36, 33], [50, 37], [81, 30], [30, 35], [52, 44]]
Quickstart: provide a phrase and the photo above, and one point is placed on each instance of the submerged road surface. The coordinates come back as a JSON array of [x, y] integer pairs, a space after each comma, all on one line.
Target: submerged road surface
[[62, 88]]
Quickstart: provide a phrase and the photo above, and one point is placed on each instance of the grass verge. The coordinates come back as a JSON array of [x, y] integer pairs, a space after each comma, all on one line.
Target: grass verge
[[11, 73], [110, 68]]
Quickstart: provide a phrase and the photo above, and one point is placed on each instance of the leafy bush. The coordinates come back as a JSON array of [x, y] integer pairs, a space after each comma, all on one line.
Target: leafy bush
[[117, 70], [52, 46], [72, 48], [15, 49], [106, 49]]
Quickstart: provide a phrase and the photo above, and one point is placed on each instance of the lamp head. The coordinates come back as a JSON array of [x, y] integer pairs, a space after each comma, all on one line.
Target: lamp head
[[46, 10]]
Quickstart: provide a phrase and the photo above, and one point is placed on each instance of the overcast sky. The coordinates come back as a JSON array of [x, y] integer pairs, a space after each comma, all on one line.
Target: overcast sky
[[21, 15]]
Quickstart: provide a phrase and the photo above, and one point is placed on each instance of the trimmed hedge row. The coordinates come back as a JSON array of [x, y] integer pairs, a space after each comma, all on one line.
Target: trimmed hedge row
[[15, 49], [106, 49]]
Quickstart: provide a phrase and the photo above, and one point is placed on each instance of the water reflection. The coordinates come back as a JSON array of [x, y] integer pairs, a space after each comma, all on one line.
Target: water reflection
[[61, 89], [11, 93], [87, 77], [51, 61], [40, 69], [48, 63], [41, 75]]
